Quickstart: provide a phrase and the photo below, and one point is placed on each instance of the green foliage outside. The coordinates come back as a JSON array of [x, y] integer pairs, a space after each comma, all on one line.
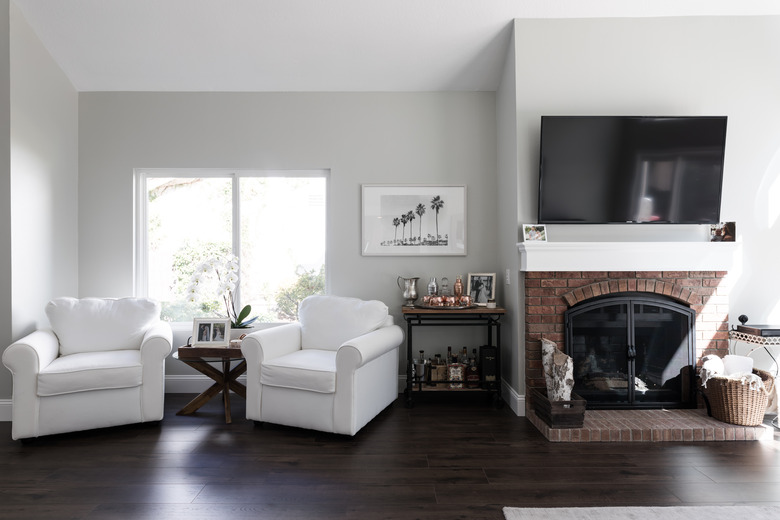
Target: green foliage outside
[[307, 284]]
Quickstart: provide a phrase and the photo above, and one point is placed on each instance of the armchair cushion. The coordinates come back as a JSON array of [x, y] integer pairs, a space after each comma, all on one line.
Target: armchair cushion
[[312, 370], [97, 324], [328, 321], [91, 371]]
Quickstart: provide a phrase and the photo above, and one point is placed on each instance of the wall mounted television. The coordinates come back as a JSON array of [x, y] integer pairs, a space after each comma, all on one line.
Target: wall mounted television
[[621, 169]]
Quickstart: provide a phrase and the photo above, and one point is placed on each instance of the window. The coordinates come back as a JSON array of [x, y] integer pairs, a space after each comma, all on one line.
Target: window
[[272, 222]]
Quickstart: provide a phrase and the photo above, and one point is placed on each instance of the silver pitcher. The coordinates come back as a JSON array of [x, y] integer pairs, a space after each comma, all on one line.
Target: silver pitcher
[[409, 288]]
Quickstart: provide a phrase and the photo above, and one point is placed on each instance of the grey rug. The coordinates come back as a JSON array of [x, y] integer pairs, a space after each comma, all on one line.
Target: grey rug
[[643, 513]]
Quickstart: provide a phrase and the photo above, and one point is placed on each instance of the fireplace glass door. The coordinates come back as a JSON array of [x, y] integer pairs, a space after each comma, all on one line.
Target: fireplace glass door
[[631, 352]]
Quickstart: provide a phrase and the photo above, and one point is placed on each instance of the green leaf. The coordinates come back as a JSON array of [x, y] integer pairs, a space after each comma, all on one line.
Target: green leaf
[[244, 313]]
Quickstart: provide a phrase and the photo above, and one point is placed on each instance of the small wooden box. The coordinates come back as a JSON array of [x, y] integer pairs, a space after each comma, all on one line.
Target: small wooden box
[[559, 414]]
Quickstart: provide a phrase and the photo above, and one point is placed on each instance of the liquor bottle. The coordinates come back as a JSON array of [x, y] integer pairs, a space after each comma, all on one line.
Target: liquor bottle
[[472, 372], [449, 355], [428, 372], [464, 357]]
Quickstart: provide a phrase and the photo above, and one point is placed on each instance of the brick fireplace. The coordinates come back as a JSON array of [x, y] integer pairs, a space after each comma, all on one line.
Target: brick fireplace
[[558, 276]]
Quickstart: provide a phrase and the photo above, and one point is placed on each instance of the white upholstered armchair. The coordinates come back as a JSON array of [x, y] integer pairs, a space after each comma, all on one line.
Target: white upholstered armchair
[[334, 370], [101, 364]]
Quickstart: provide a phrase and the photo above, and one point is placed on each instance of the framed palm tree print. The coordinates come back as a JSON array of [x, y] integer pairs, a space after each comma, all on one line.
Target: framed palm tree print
[[413, 220]]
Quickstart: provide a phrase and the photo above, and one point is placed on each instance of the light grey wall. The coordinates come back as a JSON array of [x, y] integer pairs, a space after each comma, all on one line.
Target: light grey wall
[[513, 366], [5, 193], [669, 66], [411, 138], [43, 184]]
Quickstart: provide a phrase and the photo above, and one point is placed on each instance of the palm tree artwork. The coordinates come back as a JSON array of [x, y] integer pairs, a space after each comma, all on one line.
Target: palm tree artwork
[[420, 210], [421, 239], [436, 204]]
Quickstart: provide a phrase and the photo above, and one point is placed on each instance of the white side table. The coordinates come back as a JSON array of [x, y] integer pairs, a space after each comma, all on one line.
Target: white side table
[[759, 342]]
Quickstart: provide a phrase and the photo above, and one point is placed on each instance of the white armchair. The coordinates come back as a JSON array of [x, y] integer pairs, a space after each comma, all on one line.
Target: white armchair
[[334, 370], [101, 364]]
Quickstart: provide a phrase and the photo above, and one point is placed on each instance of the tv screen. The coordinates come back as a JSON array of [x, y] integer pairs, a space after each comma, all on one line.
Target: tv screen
[[618, 169]]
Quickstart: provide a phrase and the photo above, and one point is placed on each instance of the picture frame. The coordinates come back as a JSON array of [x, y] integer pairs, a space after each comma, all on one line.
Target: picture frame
[[481, 287], [723, 232], [413, 220], [535, 232], [210, 332]]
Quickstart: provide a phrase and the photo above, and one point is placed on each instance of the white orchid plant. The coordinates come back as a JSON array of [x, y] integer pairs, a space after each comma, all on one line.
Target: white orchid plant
[[226, 271]]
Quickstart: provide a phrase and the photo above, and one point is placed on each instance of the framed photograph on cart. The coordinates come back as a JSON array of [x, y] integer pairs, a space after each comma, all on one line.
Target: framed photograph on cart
[[481, 287]]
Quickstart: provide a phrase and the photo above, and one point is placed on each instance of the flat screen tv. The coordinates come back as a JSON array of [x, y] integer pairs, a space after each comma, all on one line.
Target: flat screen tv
[[618, 169]]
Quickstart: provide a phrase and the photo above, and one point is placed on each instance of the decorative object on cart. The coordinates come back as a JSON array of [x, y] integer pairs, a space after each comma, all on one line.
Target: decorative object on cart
[[414, 220], [535, 232], [446, 302], [735, 392], [409, 288], [433, 287], [227, 275], [723, 232], [210, 332], [444, 287], [488, 365], [558, 371], [457, 289], [559, 414], [481, 287]]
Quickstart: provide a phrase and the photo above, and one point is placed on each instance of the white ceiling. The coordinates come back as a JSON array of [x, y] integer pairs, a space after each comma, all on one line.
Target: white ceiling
[[309, 45]]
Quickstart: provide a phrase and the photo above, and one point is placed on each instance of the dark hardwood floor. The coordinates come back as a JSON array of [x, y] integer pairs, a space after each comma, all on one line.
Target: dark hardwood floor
[[449, 457]]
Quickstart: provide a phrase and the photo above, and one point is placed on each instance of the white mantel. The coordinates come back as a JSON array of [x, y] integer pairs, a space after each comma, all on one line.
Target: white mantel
[[627, 256]]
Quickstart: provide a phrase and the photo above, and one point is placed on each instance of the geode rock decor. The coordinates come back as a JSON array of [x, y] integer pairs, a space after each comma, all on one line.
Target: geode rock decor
[[558, 372]]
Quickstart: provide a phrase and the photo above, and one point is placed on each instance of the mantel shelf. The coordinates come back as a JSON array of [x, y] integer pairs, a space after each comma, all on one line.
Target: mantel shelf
[[627, 256]]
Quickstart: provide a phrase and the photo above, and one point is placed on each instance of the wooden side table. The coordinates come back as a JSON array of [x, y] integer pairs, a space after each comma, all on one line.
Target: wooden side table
[[200, 358]]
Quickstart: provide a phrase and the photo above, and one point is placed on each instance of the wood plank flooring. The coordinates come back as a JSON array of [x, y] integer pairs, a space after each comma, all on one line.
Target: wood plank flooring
[[449, 457]]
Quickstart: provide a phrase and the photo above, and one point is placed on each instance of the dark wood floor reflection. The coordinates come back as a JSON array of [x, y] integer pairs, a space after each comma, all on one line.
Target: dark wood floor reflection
[[449, 457]]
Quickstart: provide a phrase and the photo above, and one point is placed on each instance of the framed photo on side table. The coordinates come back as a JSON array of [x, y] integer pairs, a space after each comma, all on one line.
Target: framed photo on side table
[[210, 332], [481, 287]]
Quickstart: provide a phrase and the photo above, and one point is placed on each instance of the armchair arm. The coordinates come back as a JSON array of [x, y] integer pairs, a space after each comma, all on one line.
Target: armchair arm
[[32, 352], [265, 344], [155, 347], [358, 351], [157, 342], [25, 359], [271, 343]]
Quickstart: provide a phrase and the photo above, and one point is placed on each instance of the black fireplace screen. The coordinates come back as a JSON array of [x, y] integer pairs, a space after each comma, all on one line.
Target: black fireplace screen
[[632, 352]]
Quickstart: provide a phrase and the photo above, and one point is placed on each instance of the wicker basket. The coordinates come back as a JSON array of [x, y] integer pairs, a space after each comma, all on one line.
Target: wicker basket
[[730, 401]]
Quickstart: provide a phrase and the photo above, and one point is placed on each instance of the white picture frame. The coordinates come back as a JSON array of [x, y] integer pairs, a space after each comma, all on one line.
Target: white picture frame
[[535, 232], [210, 332], [481, 287], [436, 224]]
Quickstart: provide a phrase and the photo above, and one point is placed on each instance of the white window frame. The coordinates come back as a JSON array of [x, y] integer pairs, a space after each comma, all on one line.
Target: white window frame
[[140, 219]]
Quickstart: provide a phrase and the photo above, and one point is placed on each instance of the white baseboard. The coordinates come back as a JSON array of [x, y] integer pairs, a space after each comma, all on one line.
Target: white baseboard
[[195, 384], [5, 410], [191, 384]]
